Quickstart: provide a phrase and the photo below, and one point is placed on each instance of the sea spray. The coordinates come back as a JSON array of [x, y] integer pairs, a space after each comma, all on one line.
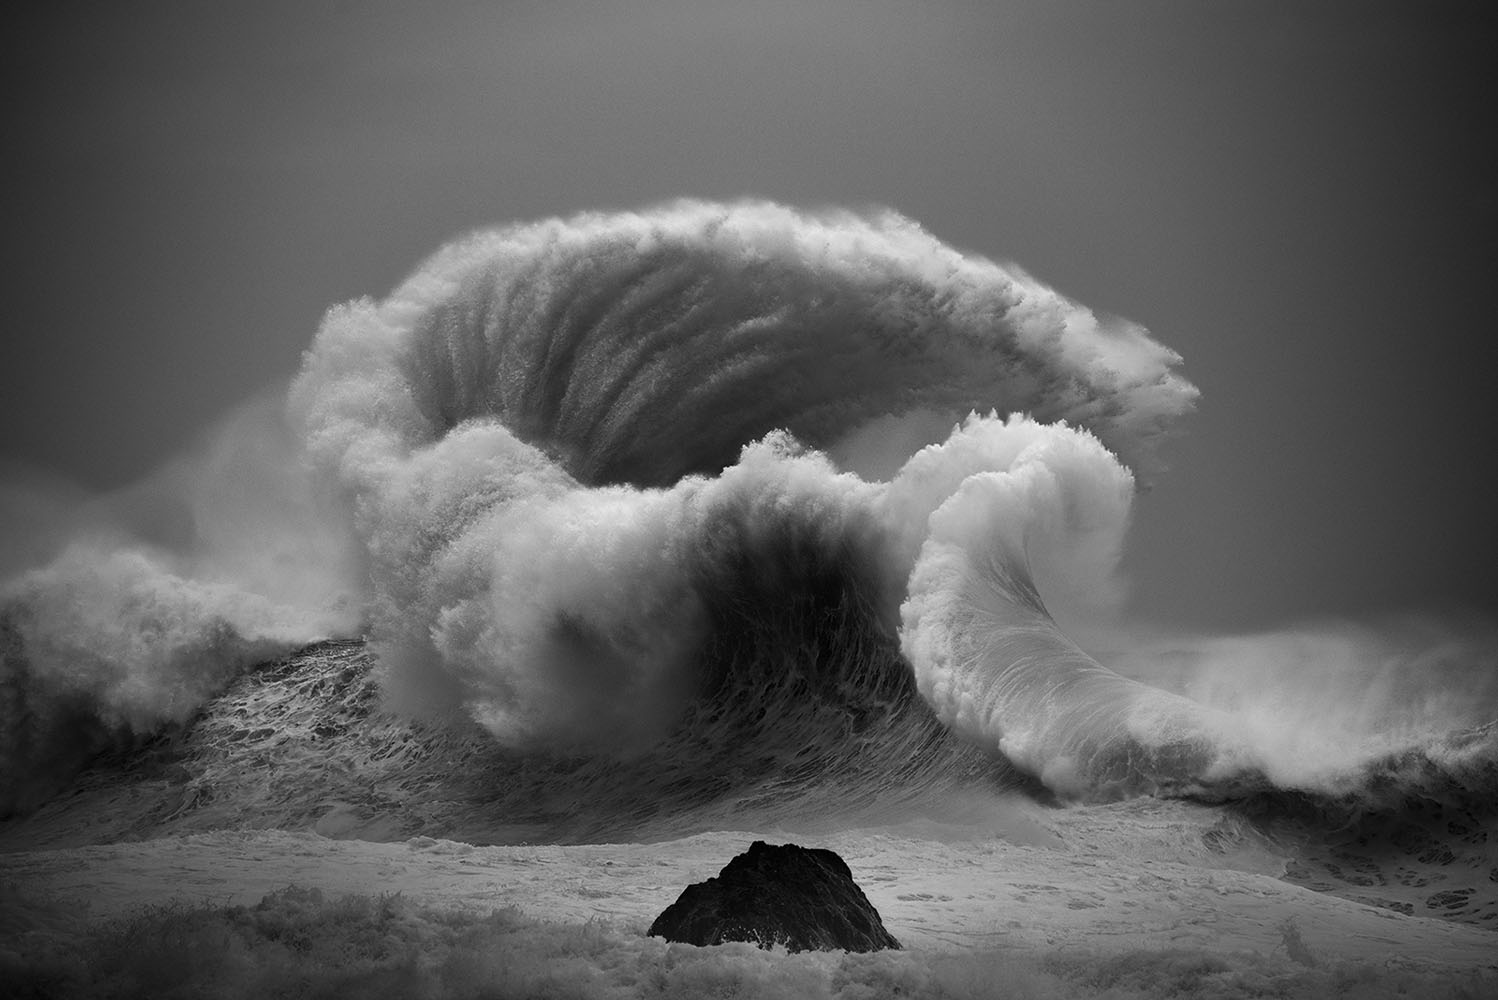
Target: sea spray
[[541, 431], [704, 503], [123, 613]]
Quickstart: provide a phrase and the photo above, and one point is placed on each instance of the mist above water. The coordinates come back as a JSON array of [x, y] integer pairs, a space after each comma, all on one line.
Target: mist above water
[[544, 471]]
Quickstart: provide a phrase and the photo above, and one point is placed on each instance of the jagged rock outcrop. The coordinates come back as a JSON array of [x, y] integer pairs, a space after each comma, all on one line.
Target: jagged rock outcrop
[[802, 898]]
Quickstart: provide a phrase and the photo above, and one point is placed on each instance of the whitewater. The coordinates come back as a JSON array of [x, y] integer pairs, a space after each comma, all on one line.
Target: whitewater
[[605, 545]]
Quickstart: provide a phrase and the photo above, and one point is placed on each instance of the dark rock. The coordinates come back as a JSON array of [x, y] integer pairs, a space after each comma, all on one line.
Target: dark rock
[[802, 898]]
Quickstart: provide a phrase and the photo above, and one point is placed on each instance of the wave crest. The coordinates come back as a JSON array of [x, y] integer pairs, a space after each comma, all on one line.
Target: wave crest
[[541, 429], [636, 485]]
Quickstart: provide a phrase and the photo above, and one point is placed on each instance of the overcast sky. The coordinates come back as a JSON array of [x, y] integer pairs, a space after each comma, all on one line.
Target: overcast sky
[[1300, 198]]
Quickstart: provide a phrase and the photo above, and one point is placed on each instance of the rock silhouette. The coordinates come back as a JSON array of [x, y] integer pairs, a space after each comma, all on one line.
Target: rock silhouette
[[802, 898]]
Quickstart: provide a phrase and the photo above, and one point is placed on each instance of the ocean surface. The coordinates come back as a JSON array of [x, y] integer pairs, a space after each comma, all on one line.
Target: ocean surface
[[627, 528]]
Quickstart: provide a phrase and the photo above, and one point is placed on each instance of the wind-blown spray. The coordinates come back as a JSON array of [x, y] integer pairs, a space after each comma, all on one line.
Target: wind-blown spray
[[560, 408], [717, 498]]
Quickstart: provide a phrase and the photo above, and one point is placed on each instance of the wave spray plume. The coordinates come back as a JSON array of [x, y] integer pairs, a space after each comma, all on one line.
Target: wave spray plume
[[576, 414], [725, 501]]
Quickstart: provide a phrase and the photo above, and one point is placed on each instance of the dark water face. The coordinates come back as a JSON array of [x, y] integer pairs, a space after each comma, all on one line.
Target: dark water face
[[302, 743]]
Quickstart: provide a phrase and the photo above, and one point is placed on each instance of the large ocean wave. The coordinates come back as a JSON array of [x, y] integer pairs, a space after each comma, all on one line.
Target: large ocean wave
[[756, 497]]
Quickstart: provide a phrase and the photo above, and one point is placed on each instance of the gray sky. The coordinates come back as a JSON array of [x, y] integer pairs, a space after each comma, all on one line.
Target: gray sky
[[1300, 198]]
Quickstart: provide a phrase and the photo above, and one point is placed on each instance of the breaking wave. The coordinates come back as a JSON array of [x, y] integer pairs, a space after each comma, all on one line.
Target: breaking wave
[[635, 489]]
